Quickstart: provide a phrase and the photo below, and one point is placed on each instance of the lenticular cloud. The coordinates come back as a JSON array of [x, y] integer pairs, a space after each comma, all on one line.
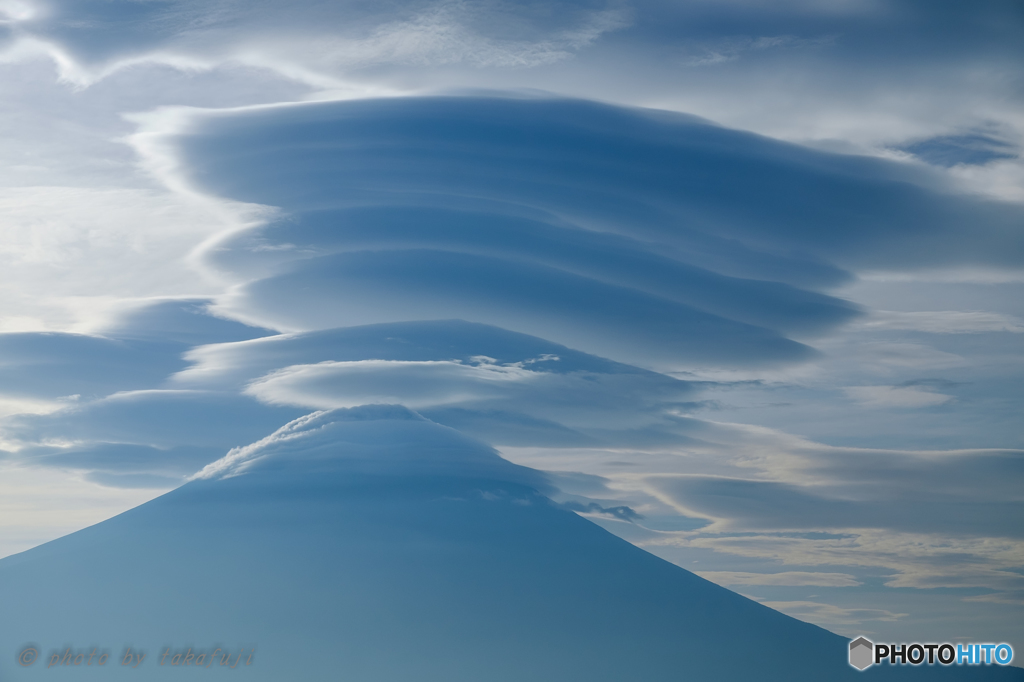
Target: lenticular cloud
[[526, 270], [533, 216], [654, 239]]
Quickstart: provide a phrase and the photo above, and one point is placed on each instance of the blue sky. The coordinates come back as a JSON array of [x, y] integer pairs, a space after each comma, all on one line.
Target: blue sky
[[754, 274]]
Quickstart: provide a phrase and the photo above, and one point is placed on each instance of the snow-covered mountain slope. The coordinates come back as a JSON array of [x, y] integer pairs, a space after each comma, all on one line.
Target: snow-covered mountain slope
[[374, 545]]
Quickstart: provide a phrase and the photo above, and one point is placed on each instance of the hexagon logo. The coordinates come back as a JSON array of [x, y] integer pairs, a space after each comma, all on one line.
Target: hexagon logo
[[862, 653]]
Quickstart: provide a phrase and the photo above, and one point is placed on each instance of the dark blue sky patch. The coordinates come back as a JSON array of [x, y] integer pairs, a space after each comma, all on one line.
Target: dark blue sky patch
[[969, 150]]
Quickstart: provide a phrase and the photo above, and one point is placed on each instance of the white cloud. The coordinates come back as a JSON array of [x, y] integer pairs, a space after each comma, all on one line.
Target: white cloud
[[316, 45], [896, 396], [827, 615], [70, 254], [21, 405], [947, 275], [785, 578], [1015, 598], [1003, 179], [941, 518], [239, 458], [886, 356], [15, 11], [731, 49], [368, 438], [329, 385], [944, 322], [914, 560], [441, 34]]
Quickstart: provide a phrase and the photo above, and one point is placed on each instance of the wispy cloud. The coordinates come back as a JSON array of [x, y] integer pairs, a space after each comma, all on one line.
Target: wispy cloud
[[828, 615], [70, 254], [896, 396], [945, 322], [783, 578], [731, 49]]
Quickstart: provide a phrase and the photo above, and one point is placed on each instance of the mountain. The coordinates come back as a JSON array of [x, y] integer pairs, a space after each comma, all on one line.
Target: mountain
[[371, 544]]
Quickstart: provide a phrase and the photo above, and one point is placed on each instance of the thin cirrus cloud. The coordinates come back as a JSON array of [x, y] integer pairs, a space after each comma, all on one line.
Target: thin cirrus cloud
[[831, 615], [945, 321], [314, 40], [771, 506], [794, 485], [711, 58], [896, 396], [784, 578]]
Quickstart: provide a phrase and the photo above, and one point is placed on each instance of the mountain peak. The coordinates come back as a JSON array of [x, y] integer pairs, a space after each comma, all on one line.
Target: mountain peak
[[377, 439]]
